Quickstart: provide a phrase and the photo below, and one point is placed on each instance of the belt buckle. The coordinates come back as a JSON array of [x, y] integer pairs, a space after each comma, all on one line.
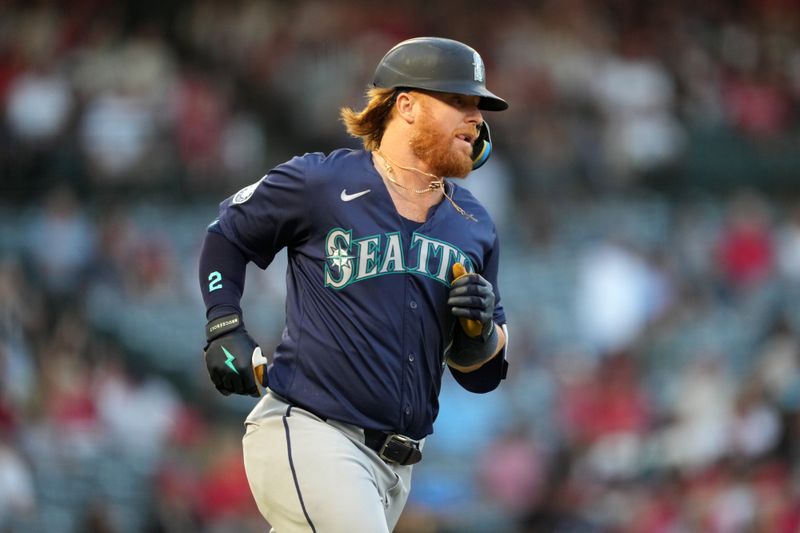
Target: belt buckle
[[402, 439]]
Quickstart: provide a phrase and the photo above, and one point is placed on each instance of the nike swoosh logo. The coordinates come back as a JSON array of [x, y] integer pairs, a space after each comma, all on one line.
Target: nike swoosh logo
[[348, 197], [229, 360]]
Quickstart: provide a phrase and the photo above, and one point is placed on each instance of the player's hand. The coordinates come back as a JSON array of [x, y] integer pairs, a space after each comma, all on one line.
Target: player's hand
[[230, 354], [472, 299]]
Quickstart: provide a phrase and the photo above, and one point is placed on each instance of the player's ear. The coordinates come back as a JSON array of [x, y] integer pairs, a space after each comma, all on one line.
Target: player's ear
[[407, 105]]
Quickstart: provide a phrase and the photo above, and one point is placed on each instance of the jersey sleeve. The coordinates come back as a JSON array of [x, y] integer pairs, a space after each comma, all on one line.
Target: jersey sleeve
[[488, 377], [270, 214]]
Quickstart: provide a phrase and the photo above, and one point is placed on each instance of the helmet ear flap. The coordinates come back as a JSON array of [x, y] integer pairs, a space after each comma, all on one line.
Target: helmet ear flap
[[482, 148]]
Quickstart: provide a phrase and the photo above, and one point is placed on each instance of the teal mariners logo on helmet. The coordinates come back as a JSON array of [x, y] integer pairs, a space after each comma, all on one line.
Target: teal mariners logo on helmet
[[479, 71]]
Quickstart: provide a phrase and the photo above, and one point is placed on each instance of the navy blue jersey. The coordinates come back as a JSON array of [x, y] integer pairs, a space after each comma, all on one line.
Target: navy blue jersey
[[367, 321]]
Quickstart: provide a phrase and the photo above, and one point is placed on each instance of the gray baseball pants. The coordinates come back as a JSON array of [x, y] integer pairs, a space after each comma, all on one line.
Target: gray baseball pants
[[307, 474]]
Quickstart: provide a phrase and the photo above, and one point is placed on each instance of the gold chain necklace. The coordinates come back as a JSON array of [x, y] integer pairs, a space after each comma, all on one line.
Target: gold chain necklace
[[437, 183]]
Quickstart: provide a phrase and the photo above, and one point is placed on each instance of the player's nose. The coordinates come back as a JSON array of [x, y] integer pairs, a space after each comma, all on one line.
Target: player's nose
[[474, 115]]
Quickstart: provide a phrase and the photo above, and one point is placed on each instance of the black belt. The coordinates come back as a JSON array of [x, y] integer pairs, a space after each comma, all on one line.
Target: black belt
[[391, 447]]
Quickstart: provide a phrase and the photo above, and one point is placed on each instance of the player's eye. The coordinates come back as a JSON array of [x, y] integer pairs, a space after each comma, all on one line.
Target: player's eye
[[461, 101]]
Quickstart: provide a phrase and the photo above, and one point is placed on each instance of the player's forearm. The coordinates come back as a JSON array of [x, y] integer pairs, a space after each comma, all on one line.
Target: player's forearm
[[500, 344], [222, 274]]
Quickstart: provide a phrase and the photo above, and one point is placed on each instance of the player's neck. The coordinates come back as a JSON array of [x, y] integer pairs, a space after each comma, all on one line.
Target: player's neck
[[427, 196], [408, 178], [406, 167]]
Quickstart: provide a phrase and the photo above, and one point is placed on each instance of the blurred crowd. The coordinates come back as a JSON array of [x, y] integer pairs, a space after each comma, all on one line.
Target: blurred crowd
[[644, 183]]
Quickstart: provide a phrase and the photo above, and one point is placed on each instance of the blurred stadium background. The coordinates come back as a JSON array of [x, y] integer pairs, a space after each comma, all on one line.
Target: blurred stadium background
[[645, 183]]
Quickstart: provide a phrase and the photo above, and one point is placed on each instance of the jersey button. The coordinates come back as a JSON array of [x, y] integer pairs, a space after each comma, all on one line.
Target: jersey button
[[412, 304], [408, 410], [411, 358]]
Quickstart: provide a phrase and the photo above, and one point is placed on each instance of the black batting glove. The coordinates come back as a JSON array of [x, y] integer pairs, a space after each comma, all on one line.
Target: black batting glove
[[472, 298], [229, 355]]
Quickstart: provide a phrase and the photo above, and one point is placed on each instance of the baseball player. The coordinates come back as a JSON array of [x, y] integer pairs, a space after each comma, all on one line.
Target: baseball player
[[391, 279]]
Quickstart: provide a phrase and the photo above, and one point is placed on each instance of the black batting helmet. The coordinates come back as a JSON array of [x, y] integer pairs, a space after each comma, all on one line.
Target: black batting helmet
[[437, 64]]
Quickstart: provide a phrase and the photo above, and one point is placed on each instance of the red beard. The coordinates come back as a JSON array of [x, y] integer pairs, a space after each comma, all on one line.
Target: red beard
[[436, 149]]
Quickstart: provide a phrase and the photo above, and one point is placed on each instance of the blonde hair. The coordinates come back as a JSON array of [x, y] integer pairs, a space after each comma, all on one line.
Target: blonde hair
[[370, 123]]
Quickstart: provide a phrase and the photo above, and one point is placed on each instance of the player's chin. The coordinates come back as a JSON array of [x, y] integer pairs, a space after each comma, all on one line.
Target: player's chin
[[461, 162], [450, 161], [460, 174]]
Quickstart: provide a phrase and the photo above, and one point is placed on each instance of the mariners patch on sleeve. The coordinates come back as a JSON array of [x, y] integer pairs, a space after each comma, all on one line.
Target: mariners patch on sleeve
[[245, 194]]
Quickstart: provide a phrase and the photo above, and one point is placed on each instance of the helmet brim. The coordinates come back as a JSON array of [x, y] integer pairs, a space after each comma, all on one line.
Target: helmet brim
[[488, 102], [491, 102]]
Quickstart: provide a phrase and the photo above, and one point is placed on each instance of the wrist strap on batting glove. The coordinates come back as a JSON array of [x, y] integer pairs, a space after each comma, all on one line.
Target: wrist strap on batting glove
[[220, 326], [468, 351]]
